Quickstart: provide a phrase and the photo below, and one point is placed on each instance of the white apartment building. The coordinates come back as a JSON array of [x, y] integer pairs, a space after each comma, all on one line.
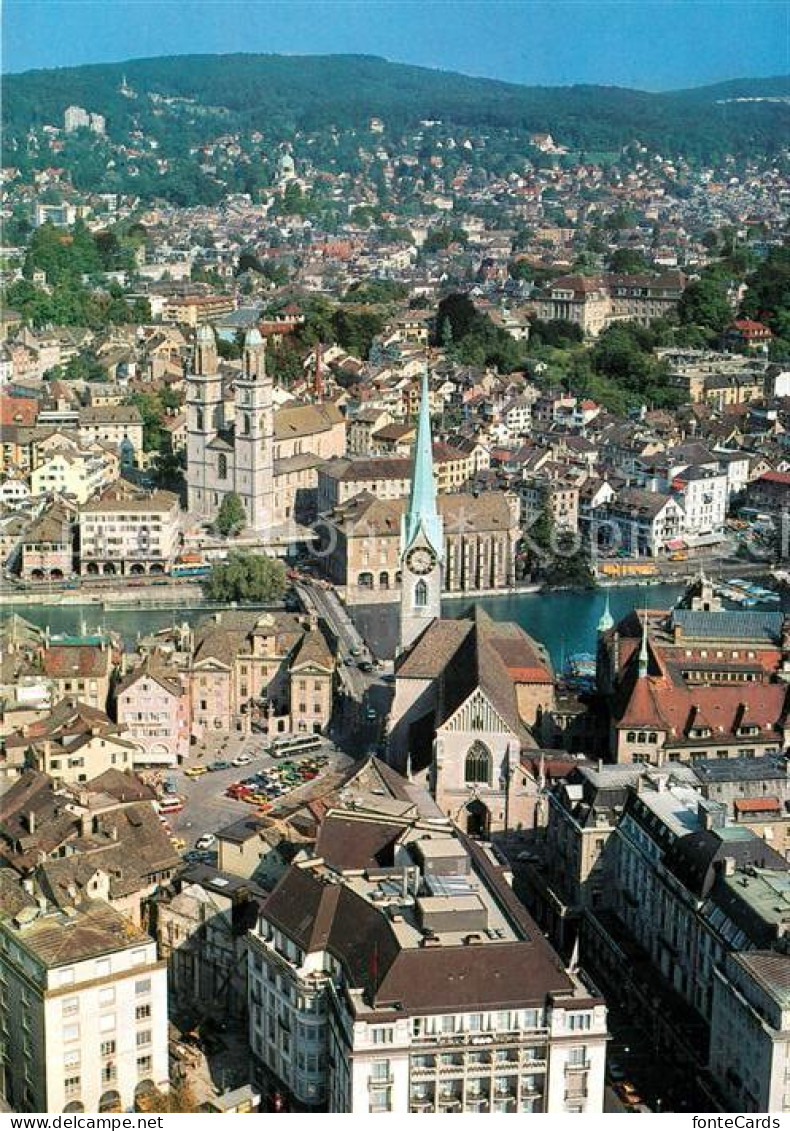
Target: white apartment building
[[118, 425], [419, 987], [750, 1031], [120, 534], [79, 474], [84, 1011], [702, 493]]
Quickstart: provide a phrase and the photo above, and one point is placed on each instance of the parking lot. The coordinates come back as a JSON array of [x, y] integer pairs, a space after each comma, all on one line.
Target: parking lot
[[207, 808]]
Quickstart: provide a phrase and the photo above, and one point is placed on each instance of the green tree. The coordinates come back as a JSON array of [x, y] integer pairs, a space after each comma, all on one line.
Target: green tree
[[521, 269], [705, 303], [555, 555], [627, 261], [153, 413], [247, 577], [231, 518], [768, 296]]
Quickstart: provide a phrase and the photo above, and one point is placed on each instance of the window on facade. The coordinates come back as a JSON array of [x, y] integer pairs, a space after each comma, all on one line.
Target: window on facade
[[380, 1099], [222, 466], [420, 595], [478, 765], [380, 1070]]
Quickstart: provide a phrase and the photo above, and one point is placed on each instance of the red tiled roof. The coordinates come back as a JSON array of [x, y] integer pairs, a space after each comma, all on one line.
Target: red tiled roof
[[530, 675], [757, 805], [74, 660], [18, 410], [749, 326]]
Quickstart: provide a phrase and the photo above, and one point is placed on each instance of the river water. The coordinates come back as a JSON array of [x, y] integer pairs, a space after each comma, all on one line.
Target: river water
[[564, 621]]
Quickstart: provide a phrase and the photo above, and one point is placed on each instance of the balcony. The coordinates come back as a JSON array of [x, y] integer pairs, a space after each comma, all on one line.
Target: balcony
[[419, 1071], [454, 1067]]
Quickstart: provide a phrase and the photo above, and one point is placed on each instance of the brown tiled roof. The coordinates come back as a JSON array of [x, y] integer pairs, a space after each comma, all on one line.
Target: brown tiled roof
[[111, 414], [95, 929], [345, 843], [313, 651], [293, 421], [153, 668], [461, 514], [477, 652], [63, 661], [128, 843]]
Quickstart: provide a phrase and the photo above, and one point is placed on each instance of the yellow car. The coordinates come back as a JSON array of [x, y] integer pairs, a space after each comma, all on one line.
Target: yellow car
[[196, 772], [178, 843]]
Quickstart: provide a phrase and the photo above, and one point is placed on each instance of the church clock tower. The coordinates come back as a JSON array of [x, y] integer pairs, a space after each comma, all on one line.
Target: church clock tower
[[422, 538]]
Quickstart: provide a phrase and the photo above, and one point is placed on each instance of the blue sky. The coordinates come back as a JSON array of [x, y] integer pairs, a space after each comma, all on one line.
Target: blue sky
[[652, 45]]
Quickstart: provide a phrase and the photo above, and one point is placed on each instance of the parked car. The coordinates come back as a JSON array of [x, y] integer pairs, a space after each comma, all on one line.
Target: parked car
[[208, 840]]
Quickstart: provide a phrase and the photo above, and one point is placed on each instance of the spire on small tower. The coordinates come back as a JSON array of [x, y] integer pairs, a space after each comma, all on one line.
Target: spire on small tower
[[643, 657], [607, 620]]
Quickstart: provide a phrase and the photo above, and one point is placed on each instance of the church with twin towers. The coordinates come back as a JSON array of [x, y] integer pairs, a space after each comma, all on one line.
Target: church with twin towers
[[241, 444], [233, 455]]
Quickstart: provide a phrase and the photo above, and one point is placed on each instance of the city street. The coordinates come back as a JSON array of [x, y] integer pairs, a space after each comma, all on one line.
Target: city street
[[363, 699]]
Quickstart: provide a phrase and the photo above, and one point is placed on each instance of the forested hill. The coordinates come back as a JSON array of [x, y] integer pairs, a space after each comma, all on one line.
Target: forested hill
[[281, 94]]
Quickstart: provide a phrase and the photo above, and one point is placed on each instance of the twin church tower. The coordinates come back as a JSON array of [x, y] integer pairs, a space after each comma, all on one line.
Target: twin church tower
[[231, 454]]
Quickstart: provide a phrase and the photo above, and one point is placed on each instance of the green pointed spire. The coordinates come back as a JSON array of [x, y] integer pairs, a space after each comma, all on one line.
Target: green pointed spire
[[422, 514], [607, 620]]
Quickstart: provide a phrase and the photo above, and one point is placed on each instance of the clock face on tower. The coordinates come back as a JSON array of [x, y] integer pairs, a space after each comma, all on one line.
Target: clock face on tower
[[420, 560]]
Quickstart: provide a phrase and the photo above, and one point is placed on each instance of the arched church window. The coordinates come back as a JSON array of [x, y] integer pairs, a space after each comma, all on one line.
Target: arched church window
[[477, 769], [199, 419], [420, 594], [245, 423], [222, 466]]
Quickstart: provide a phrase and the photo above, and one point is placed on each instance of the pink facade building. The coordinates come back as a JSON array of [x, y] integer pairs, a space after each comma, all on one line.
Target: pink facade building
[[153, 705]]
